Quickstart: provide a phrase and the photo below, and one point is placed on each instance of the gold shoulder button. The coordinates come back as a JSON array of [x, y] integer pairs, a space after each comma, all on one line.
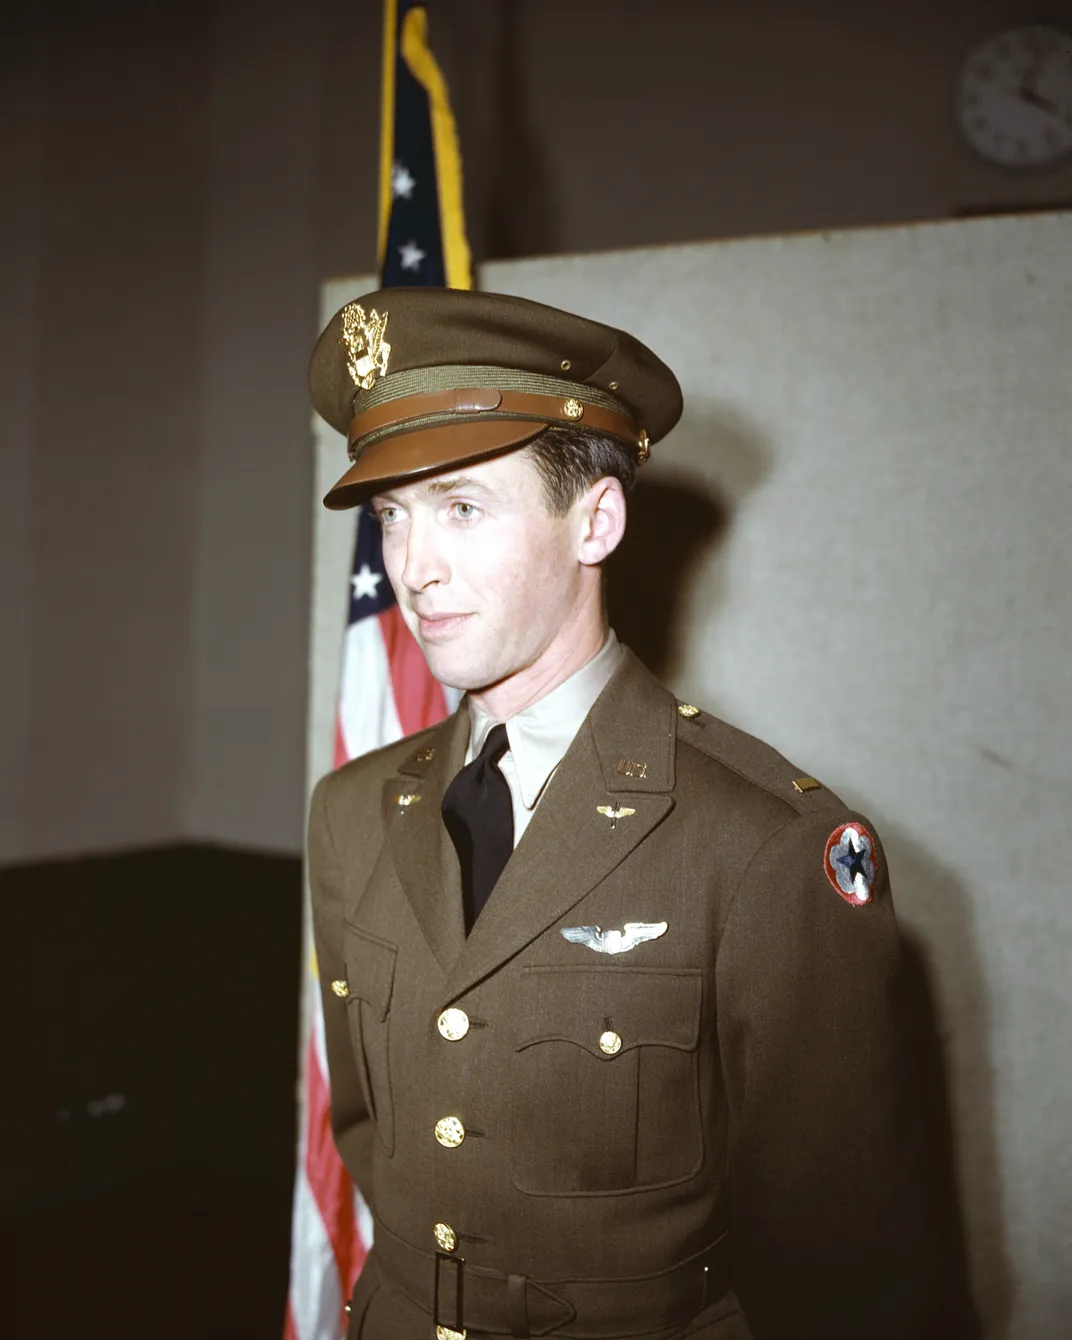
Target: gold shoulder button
[[341, 989], [687, 711]]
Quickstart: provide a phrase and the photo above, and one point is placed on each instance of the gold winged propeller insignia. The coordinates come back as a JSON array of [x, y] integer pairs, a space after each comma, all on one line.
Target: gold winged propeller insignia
[[362, 338]]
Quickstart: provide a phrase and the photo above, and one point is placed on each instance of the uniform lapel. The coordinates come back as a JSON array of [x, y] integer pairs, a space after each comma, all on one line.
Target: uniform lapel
[[570, 846], [423, 855]]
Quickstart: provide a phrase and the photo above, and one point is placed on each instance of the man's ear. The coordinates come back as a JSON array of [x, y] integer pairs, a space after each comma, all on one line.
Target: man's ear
[[601, 514]]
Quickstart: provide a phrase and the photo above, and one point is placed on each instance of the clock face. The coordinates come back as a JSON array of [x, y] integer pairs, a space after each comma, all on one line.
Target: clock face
[[1014, 97]]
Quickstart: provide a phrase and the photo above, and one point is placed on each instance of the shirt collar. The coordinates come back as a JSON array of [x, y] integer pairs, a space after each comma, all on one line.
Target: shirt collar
[[540, 734]]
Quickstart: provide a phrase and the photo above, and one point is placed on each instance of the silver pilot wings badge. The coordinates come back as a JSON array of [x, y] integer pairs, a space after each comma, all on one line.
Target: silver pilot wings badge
[[633, 933]]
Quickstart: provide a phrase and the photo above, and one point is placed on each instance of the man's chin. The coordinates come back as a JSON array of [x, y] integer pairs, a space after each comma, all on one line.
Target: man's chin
[[450, 667], [457, 671]]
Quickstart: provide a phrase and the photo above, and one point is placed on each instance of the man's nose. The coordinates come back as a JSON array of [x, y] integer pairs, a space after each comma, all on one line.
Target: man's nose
[[425, 564]]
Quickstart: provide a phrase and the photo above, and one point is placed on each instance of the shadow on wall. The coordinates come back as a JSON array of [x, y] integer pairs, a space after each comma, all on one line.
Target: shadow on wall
[[671, 524], [675, 522], [919, 880], [674, 525]]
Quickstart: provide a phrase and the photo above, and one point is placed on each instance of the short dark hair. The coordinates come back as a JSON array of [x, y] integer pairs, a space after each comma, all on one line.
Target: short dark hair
[[570, 460]]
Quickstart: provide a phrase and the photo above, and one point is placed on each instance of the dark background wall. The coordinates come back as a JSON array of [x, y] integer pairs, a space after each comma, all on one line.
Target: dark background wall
[[179, 179], [148, 1123]]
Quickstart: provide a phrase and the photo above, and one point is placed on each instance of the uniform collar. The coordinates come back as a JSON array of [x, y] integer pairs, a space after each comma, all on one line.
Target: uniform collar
[[540, 734]]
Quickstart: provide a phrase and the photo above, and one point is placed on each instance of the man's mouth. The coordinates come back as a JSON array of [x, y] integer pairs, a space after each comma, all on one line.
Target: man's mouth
[[436, 626]]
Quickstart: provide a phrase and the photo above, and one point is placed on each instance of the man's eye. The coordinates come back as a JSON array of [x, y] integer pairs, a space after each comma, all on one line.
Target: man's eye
[[386, 515], [465, 511]]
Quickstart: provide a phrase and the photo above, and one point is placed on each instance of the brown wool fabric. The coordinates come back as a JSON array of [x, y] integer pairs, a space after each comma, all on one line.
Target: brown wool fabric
[[747, 1163]]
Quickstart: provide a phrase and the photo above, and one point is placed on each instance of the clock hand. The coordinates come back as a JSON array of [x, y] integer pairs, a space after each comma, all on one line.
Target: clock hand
[[1032, 71], [1035, 99], [1028, 90]]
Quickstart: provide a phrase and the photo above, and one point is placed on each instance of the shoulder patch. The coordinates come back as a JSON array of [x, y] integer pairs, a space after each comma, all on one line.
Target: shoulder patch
[[851, 863]]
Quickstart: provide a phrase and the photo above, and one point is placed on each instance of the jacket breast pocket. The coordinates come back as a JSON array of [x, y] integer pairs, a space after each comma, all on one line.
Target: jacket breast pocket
[[606, 1083], [370, 972]]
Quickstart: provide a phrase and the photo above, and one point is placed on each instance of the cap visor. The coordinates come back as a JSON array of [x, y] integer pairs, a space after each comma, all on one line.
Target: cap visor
[[407, 456]]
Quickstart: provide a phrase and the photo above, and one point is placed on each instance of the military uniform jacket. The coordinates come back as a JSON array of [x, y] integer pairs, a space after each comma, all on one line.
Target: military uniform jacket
[[714, 1134]]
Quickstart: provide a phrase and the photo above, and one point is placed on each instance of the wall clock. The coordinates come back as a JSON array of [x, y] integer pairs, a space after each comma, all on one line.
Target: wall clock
[[1014, 97]]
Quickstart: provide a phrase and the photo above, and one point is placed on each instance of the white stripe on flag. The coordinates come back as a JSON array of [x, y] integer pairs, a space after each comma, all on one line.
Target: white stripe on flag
[[367, 713], [315, 1291]]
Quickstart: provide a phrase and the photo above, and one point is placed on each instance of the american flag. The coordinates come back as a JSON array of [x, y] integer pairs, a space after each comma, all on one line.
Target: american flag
[[386, 690]]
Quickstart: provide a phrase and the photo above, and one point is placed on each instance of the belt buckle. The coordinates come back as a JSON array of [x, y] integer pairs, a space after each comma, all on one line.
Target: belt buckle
[[456, 1329]]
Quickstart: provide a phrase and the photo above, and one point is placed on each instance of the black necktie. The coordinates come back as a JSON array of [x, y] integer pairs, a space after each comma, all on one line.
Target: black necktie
[[479, 816]]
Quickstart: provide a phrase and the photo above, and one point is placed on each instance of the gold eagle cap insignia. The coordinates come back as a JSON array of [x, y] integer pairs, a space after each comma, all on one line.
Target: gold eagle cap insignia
[[362, 338]]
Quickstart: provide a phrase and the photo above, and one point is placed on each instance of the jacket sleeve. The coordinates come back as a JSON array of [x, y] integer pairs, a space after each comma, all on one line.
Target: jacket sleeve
[[829, 1221], [350, 1121]]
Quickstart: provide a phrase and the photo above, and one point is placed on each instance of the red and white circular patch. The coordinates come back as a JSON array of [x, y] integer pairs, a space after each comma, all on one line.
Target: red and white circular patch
[[851, 863]]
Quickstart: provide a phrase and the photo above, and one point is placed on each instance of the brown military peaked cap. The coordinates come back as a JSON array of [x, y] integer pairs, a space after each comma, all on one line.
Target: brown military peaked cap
[[419, 379]]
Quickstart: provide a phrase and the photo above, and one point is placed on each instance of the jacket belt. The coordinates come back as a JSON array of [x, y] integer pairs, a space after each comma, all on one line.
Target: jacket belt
[[459, 1296]]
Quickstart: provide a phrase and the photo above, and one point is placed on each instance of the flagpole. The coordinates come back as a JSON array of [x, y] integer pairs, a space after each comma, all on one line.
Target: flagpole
[[385, 689]]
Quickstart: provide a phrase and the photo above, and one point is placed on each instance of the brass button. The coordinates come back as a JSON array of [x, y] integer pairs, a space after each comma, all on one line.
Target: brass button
[[450, 1132], [687, 711], [445, 1333], [446, 1237], [572, 409], [453, 1024], [610, 1044], [341, 989], [566, 365], [612, 386]]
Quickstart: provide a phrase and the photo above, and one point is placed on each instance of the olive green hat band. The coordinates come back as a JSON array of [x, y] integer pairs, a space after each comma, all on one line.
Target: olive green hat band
[[453, 377], [429, 397]]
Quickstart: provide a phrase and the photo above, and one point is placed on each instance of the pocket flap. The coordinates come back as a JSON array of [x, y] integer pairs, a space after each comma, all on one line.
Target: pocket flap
[[643, 1006], [370, 969]]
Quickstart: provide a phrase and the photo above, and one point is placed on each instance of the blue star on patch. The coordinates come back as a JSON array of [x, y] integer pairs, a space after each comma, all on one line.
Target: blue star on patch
[[851, 863]]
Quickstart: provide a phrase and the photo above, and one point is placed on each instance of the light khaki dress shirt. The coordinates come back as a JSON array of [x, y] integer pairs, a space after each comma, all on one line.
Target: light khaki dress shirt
[[540, 734]]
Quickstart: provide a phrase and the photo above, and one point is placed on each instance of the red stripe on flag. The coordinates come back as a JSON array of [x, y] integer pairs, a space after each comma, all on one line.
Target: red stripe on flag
[[418, 696], [341, 754], [329, 1181]]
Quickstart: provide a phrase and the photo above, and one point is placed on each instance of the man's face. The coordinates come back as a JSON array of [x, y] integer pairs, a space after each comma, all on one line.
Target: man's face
[[485, 576]]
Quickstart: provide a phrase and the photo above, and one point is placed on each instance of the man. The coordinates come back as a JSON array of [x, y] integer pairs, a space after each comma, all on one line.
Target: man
[[611, 989]]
